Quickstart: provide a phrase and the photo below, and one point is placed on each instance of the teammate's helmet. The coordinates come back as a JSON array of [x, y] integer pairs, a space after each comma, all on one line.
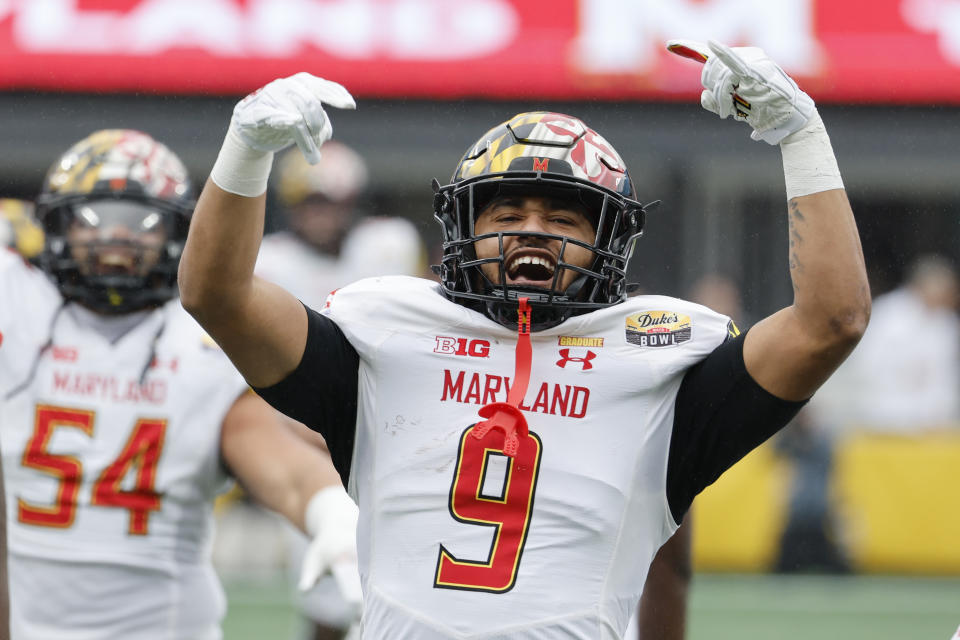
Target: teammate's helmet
[[319, 201], [340, 175], [539, 153], [115, 179]]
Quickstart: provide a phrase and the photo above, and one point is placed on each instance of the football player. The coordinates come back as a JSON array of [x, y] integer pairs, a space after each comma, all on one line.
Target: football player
[[122, 419], [328, 242], [317, 206], [521, 436], [18, 233], [327, 245]]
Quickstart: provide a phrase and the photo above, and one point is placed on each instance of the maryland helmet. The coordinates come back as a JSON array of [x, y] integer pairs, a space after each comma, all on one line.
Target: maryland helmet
[[533, 154], [319, 201], [115, 209], [340, 175]]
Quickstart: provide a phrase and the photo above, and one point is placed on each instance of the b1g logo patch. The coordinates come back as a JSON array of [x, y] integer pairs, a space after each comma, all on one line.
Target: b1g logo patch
[[658, 329], [462, 347]]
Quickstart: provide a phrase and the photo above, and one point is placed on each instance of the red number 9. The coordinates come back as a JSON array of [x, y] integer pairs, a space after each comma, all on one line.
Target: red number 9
[[508, 514]]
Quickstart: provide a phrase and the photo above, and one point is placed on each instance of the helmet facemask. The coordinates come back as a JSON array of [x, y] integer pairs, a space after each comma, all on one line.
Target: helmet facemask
[[617, 222], [115, 210], [114, 255]]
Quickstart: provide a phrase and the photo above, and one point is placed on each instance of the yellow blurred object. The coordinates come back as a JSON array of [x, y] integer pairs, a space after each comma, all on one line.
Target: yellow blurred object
[[228, 499], [26, 236], [896, 498], [900, 501], [737, 521], [340, 176]]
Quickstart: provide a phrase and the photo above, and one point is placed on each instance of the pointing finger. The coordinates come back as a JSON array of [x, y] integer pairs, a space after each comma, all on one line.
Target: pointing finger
[[328, 92], [732, 60], [693, 49]]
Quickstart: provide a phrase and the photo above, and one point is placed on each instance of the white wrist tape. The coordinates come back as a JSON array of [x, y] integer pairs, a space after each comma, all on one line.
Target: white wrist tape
[[330, 507], [240, 169], [809, 165]]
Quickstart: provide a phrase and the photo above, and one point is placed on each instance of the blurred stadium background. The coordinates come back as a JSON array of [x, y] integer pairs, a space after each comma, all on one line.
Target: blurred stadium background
[[429, 75]]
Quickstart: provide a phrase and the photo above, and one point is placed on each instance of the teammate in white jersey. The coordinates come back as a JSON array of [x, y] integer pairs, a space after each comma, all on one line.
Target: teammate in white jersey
[[122, 419], [21, 235], [327, 244], [521, 438], [317, 205]]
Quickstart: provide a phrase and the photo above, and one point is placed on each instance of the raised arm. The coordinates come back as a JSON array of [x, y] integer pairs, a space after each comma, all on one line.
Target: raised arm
[[792, 352], [260, 326]]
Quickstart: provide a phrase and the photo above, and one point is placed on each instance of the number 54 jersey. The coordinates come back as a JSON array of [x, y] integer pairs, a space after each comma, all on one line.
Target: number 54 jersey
[[459, 540], [110, 434]]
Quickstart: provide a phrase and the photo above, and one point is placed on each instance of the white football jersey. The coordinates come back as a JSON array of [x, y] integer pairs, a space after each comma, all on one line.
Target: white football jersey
[[288, 261], [376, 246], [456, 540], [110, 438]]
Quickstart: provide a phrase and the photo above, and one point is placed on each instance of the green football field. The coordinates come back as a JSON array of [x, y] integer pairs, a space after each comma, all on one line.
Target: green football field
[[722, 607]]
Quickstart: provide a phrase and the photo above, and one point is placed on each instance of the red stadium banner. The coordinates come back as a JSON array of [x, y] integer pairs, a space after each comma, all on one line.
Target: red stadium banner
[[880, 51]]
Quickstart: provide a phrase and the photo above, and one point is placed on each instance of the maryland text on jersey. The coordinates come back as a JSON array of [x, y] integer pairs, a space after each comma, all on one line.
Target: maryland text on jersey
[[563, 400]]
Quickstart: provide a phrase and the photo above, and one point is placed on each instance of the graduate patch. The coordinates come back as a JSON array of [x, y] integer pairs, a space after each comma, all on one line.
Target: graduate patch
[[579, 341], [658, 329]]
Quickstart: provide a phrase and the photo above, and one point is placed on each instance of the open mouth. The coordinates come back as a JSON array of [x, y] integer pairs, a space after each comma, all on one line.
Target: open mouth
[[115, 263], [534, 270]]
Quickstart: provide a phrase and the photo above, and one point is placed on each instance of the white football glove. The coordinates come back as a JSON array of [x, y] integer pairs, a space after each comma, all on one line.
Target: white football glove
[[331, 521], [744, 83], [290, 110]]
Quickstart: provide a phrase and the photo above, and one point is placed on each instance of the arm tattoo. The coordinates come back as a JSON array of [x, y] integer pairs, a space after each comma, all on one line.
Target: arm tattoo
[[795, 218]]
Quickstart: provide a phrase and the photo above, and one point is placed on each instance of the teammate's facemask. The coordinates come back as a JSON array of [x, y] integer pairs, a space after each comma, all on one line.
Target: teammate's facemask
[[115, 210], [539, 154]]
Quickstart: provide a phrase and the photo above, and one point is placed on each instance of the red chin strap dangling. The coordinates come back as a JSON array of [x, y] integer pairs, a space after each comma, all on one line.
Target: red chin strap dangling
[[507, 416]]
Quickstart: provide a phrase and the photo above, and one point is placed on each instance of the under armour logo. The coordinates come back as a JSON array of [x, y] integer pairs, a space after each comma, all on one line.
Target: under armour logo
[[565, 357]]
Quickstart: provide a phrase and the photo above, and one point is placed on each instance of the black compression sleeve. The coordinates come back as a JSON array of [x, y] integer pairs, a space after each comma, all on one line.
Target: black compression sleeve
[[322, 391], [721, 415]]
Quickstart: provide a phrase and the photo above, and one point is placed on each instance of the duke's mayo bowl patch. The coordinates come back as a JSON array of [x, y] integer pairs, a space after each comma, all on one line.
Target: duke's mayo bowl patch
[[658, 329]]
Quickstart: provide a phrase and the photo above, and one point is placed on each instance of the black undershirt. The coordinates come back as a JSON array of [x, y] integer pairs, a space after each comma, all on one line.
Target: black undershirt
[[721, 413], [322, 391]]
